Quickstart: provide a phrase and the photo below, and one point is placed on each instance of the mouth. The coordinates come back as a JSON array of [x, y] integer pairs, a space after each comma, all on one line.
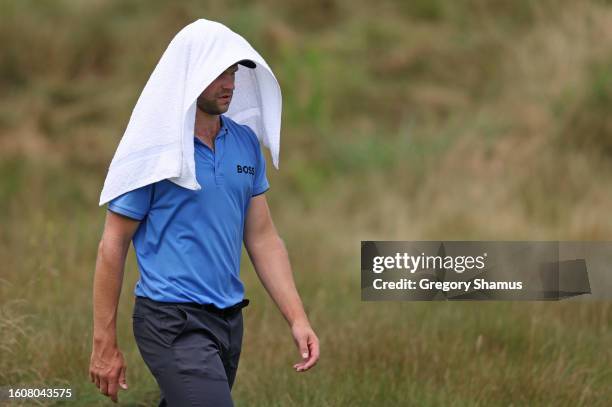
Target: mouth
[[225, 100]]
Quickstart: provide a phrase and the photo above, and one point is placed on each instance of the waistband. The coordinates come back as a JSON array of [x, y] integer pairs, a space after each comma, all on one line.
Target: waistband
[[206, 307]]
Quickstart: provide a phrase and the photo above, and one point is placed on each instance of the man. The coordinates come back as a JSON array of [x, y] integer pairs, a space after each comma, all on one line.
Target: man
[[187, 315]]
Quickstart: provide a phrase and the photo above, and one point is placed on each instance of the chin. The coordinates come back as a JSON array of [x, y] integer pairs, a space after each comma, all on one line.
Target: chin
[[213, 108]]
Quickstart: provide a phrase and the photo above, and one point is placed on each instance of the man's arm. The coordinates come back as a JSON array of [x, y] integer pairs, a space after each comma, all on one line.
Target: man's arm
[[107, 366], [271, 261]]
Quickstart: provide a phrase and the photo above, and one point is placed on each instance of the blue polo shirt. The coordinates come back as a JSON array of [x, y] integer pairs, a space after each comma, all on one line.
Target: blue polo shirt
[[188, 243]]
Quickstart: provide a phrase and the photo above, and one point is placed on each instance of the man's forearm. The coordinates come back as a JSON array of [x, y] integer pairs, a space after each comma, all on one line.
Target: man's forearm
[[108, 280], [271, 262]]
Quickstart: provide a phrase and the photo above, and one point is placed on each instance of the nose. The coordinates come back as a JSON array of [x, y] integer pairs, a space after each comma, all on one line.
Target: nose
[[228, 83]]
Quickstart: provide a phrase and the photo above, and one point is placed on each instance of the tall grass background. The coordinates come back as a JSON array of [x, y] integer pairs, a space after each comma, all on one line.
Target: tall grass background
[[419, 120]]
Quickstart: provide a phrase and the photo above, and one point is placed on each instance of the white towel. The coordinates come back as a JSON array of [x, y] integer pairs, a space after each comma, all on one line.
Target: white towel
[[158, 141]]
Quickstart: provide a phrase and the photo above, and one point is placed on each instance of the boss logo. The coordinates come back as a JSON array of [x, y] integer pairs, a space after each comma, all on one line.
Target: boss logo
[[245, 169]]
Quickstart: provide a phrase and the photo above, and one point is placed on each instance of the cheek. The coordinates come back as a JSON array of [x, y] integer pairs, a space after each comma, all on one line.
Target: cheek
[[210, 91], [206, 96]]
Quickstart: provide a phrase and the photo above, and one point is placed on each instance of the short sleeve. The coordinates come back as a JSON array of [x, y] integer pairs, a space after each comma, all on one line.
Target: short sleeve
[[134, 204], [260, 182]]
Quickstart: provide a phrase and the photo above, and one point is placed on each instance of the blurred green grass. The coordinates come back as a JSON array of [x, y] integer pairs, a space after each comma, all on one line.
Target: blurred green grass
[[401, 121]]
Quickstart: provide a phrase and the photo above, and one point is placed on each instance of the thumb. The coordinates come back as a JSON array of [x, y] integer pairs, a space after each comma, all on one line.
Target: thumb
[[122, 380], [303, 346]]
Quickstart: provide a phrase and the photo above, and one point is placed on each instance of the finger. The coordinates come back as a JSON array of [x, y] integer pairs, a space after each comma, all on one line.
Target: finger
[[314, 355], [300, 365], [97, 380], [303, 347], [122, 379], [103, 386], [313, 344], [112, 389]]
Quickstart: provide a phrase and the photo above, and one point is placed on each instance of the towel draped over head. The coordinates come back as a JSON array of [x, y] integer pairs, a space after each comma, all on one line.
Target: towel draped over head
[[158, 141]]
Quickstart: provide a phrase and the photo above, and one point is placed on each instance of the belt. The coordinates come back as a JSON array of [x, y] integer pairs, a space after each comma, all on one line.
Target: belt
[[207, 307], [224, 311]]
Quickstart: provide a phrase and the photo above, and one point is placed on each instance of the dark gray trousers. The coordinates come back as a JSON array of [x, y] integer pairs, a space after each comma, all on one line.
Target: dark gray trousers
[[191, 350]]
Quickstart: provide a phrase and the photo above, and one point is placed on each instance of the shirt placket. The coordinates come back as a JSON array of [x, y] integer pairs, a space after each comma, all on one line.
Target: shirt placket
[[218, 155]]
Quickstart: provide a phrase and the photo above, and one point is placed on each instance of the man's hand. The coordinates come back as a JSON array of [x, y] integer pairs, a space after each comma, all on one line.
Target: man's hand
[[107, 370], [308, 345]]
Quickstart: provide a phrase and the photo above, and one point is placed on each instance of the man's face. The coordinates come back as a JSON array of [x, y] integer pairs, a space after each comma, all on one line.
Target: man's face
[[217, 96]]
